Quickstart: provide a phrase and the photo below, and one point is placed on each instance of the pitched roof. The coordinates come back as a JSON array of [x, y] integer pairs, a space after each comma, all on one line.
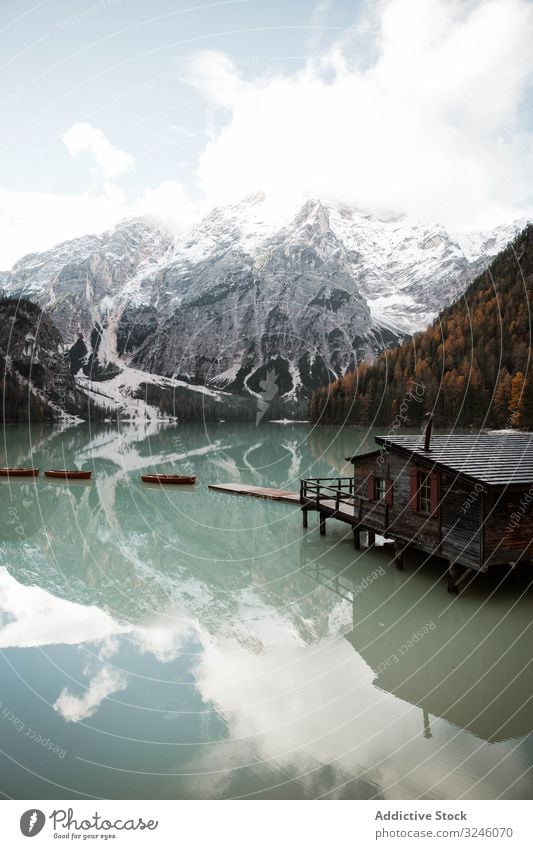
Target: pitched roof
[[365, 455], [494, 458]]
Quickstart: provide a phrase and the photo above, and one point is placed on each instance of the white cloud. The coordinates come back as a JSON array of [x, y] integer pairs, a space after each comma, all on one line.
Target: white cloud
[[75, 708], [34, 221], [84, 138], [171, 202], [432, 127], [37, 618], [420, 107]]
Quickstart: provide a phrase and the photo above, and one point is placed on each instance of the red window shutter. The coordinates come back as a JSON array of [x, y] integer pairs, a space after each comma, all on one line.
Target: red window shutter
[[434, 491], [388, 492], [413, 489], [371, 488]]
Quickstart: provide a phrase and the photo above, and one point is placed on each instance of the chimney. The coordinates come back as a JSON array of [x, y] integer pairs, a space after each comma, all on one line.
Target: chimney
[[427, 431]]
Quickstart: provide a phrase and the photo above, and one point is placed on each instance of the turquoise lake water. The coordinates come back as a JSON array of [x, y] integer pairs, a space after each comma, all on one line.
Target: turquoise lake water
[[182, 643]]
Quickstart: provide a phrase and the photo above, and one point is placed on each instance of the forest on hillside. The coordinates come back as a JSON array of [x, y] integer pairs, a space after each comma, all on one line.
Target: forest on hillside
[[471, 367]]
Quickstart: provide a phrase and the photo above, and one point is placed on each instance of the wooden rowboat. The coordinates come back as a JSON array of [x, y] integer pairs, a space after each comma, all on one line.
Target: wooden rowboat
[[69, 474], [19, 473], [183, 479]]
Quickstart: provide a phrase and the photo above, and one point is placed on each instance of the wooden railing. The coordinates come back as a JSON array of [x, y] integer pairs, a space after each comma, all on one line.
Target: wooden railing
[[341, 491]]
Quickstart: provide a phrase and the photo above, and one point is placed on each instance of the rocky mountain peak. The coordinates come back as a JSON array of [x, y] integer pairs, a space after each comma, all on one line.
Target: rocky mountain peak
[[305, 288]]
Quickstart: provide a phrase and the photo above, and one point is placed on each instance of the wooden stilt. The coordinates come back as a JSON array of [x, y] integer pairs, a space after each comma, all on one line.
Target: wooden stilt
[[371, 538], [322, 525], [453, 574], [304, 516], [456, 578], [356, 539], [398, 555], [427, 727]]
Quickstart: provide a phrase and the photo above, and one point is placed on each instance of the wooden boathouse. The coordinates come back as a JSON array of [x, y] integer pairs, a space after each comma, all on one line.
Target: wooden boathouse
[[466, 498]]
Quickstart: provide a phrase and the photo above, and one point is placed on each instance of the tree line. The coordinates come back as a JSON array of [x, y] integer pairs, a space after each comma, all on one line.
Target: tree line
[[472, 367]]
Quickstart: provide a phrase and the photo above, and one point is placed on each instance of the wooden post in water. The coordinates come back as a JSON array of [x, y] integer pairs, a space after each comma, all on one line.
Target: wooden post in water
[[356, 539], [453, 574], [304, 516], [427, 727], [398, 555], [322, 525], [371, 538]]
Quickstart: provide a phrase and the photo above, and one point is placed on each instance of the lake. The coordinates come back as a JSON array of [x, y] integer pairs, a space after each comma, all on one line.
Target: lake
[[181, 643]]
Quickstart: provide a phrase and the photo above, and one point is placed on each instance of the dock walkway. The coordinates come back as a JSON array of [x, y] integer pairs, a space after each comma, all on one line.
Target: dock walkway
[[257, 491]]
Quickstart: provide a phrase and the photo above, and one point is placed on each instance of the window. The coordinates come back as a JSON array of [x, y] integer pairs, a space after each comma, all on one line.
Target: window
[[424, 496], [380, 488], [424, 493]]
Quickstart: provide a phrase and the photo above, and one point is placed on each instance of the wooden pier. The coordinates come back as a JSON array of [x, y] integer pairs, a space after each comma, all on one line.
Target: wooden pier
[[257, 492], [335, 498]]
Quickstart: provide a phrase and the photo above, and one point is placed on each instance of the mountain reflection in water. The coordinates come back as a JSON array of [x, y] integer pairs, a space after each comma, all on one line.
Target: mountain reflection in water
[[197, 644]]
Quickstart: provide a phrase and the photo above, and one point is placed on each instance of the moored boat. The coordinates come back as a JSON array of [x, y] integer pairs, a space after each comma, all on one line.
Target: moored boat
[[176, 479], [70, 474], [18, 472]]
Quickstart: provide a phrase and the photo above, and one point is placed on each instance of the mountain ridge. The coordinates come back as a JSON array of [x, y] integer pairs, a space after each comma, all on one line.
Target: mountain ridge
[[307, 291], [473, 367]]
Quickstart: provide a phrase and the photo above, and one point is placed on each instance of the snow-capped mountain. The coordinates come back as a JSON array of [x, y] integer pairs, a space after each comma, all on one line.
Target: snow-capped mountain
[[253, 293]]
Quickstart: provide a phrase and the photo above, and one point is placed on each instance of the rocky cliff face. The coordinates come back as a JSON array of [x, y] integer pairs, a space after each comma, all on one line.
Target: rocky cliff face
[[86, 283], [34, 364], [290, 306], [253, 294]]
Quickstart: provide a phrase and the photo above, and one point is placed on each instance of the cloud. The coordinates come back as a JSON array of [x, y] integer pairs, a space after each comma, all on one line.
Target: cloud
[[84, 138], [34, 617], [420, 107], [103, 684], [34, 221], [434, 125], [171, 202]]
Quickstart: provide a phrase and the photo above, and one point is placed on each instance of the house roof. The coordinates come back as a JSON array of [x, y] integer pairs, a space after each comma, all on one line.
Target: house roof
[[493, 458], [364, 455]]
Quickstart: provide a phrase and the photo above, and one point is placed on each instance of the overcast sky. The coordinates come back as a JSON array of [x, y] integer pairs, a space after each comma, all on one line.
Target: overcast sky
[[117, 107]]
